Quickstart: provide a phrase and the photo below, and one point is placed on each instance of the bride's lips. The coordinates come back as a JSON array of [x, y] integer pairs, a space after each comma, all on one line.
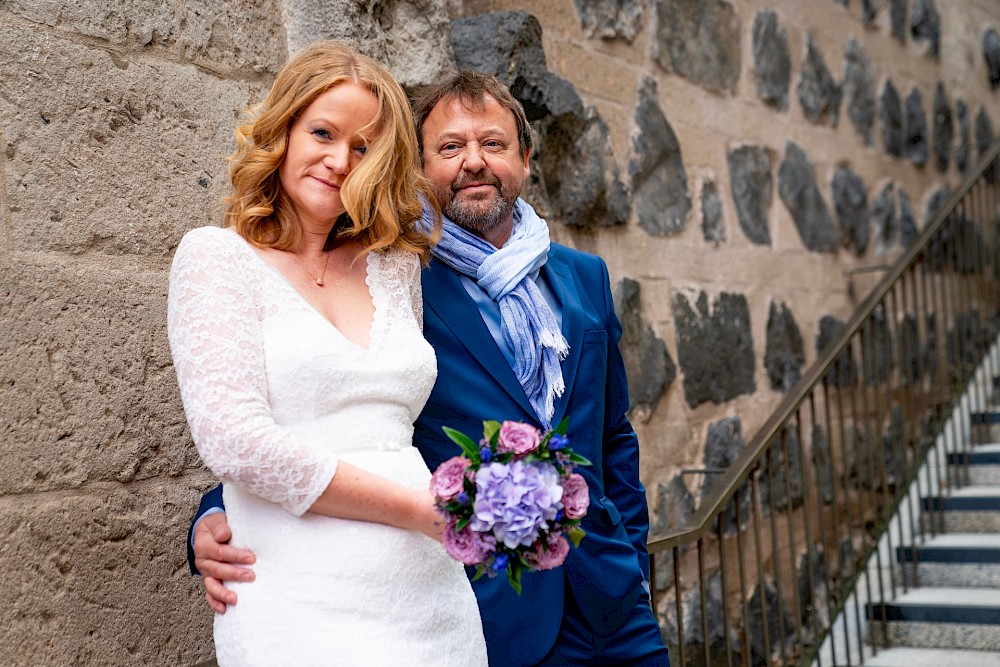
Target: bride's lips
[[325, 182]]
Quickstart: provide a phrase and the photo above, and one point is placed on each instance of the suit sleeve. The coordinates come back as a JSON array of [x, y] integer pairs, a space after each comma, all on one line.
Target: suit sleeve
[[210, 501], [621, 445]]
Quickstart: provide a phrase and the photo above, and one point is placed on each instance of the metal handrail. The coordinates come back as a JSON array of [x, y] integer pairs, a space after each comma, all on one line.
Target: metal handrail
[[770, 440]]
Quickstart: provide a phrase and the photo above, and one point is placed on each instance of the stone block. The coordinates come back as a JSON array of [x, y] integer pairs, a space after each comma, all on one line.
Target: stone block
[[659, 179], [916, 128], [897, 19], [962, 149], [907, 222], [844, 370], [110, 155], [648, 365], [784, 355], [869, 10], [409, 37], [925, 26], [610, 19], [752, 184], [859, 90], [800, 194], [231, 34], [700, 40], [713, 227], [891, 114], [99, 577], [818, 93], [850, 201], [86, 379], [991, 54], [701, 333], [772, 60], [944, 128], [884, 225]]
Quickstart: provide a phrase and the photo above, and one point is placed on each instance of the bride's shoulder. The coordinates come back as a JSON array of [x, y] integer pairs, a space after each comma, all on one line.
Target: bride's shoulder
[[209, 245]]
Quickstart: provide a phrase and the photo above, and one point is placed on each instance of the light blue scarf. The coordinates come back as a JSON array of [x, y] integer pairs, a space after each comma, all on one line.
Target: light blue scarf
[[527, 322]]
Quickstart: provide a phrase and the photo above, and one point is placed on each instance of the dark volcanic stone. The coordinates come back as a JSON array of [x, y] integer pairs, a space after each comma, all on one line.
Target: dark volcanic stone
[[674, 504], [925, 25], [813, 584], [610, 19], [850, 201], [751, 184], [934, 203], [884, 220], [771, 58], [798, 190], [819, 94], [708, 375], [944, 128], [723, 444], [964, 136], [659, 181], [909, 349], [892, 120], [712, 226], [648, 366], [822, 462], [984, 131], [907, 222], [991, 54], [859, 90], [916, 128], [897, 19], [782, 472], [693, 622], [784, 355], [508, 45], [844, 371], [581, 176], [876, 348], [700, 40], [869, 10], [768, 608]]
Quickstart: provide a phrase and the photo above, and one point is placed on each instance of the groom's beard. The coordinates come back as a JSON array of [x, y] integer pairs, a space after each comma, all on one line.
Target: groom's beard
[[480, 217]]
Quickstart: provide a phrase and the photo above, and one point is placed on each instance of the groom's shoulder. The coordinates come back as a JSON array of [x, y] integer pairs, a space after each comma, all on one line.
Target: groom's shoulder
[[583, 261]]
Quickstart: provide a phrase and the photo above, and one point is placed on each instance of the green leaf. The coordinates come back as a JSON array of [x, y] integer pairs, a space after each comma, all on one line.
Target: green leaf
[[490, 429], [469, 448], [579, 460], [561, 429], [575, 535], [462, 523], [514, 576], [480, 571]]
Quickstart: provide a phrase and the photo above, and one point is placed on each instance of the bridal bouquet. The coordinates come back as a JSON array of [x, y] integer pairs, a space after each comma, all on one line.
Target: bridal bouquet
[[512, 500]]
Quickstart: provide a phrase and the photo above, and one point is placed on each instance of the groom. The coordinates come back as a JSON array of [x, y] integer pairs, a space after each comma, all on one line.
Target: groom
[[523, 330]]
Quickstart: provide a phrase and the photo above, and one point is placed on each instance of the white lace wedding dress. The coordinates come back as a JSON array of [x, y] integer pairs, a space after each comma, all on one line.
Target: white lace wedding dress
[[275, 396]]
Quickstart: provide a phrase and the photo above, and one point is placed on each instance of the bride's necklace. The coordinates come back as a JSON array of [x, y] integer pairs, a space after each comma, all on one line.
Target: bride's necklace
[[319, 280]]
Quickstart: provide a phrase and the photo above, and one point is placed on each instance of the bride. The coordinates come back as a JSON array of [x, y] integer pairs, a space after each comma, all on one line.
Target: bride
[[296, 338]]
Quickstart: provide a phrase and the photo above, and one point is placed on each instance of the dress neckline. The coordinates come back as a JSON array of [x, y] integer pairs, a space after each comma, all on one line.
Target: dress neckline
[[283, 280]]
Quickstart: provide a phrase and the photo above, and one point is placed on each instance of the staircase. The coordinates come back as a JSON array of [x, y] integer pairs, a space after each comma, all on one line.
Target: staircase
[[946, 610]]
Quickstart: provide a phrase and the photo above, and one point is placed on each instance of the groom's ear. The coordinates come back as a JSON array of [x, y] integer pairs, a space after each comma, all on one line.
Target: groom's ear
[[527, 163]]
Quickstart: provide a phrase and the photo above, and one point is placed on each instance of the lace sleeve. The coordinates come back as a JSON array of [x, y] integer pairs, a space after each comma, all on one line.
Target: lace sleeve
[[417, 295], [215, 339]]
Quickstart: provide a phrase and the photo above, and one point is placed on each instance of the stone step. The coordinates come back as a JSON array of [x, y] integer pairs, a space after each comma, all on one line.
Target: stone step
[[954, 560], [932, 657], [973, 509], [983, 463], [948, 618]]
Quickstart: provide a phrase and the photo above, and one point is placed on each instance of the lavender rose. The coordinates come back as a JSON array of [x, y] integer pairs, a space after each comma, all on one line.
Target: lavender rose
[[446, 482], [465, 545], [519, 438], [542, 558], [576, 496]]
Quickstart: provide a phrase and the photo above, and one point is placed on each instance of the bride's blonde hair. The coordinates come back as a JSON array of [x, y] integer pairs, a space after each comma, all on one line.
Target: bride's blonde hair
[[383, 194]]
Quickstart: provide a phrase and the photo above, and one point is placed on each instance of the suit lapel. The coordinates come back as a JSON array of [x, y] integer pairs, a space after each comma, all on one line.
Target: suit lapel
[[565, 289], [445, 294]]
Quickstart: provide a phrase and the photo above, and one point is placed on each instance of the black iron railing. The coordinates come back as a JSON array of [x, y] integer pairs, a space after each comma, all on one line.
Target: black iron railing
[[768, 564]]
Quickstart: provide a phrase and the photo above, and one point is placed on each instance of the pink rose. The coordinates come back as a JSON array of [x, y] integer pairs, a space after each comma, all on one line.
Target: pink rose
[[542, 558], [446, 482], [576, 496], [518, 437], [465, 546]]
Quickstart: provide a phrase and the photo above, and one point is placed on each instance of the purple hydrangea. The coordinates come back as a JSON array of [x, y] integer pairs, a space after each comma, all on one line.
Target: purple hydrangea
[[516, 500]]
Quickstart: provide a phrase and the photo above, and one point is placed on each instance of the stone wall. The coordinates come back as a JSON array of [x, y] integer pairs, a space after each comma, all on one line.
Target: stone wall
[[732, 161]]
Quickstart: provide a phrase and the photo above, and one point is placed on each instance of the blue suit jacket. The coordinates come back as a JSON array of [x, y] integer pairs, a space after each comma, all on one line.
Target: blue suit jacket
[[475, 383]]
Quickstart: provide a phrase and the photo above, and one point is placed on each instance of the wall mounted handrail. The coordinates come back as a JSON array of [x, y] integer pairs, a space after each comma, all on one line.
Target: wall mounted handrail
[[874, 422]]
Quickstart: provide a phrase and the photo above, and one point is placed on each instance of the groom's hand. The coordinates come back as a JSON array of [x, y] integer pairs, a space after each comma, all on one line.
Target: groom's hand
[[219, 562]]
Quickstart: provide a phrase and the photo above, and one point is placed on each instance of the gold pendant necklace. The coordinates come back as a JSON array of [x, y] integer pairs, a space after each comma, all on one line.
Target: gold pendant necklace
[[318, 281]]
